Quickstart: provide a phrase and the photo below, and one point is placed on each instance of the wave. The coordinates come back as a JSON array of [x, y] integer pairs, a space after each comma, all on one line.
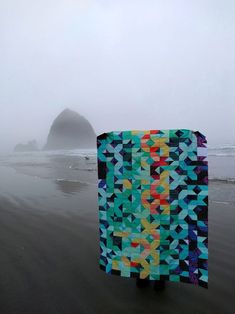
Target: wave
[[74, 181], [222, 151], [82, 168], [222, 202], [74, 152], [222, 154], [224, 146], [222, 180]]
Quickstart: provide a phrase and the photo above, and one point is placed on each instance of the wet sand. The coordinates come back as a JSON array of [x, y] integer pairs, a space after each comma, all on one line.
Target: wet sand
[[49, 259]]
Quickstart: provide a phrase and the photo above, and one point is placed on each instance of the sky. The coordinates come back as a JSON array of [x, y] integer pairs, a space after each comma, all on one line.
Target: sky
[[126, 64]]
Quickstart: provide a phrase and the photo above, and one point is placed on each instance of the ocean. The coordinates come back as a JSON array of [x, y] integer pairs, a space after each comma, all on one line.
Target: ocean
[[79, 167], [62, 164]]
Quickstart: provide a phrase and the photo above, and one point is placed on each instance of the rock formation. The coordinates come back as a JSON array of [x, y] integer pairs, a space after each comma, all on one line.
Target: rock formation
[[70, 130], [29, 147]]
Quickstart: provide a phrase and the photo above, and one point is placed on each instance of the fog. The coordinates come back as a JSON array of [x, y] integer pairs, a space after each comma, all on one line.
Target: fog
[[123, 64]]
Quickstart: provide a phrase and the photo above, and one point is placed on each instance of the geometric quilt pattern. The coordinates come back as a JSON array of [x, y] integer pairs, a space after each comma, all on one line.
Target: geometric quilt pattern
[[153, 205]]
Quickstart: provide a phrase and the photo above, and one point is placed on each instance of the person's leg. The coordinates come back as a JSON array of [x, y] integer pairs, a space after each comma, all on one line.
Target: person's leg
[[159, 285], [141, 283]]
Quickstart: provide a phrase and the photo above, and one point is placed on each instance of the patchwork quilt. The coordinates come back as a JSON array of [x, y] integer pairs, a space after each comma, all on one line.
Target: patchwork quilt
[[153, 205]]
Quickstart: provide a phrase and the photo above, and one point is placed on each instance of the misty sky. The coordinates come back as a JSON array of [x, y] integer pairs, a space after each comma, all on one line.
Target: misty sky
[[123, 64]]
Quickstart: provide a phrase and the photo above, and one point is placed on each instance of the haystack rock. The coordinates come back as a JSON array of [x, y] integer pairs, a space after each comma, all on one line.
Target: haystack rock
[[70, 130]]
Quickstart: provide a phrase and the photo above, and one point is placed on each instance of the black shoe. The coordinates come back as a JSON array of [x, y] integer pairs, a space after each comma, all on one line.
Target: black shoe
[[159, 285], [141, 283]]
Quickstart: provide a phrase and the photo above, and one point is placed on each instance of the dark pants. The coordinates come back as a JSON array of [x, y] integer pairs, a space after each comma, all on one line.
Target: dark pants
[[158, 284]]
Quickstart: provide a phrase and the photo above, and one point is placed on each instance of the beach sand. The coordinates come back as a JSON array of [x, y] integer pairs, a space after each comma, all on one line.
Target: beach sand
[[49, 256]]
